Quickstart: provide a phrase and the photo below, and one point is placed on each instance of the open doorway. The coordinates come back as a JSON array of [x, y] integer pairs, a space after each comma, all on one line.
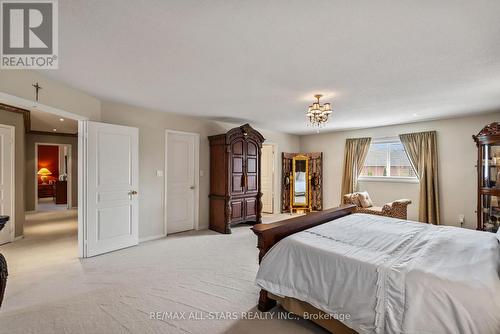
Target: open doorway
[[42, 200], [51, 194], [53, 182], [106, 158]]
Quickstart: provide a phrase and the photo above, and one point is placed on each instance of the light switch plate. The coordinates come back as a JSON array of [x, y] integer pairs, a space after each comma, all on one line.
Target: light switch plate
[[159, 173]]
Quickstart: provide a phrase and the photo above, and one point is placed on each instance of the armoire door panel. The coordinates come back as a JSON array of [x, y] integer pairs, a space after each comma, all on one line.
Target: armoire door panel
[[237, 210], [237, 148], [236, 184], [250, 207], [251, 149], [237, 164], [251, 183], [251, 165]]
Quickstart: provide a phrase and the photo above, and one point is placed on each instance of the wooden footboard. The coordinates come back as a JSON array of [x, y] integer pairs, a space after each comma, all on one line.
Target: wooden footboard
[[270, 234]]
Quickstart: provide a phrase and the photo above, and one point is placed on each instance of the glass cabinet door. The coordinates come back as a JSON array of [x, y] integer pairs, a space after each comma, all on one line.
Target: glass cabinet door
[[490, 197], [491, 166], [490, 211]]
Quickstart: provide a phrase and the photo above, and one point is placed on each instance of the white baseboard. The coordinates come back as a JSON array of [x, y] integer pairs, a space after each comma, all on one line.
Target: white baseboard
[[150, 238], [19, 237], [31, 211]]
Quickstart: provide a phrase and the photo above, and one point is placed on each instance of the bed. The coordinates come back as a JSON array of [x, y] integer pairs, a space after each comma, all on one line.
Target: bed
[[374, 274]]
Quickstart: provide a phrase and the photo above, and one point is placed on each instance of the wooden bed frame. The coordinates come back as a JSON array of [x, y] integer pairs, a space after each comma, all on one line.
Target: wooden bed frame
[[270, 234]]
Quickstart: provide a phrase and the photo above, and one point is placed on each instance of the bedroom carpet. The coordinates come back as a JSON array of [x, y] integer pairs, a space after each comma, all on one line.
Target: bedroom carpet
[[194, 274], [48, 204]]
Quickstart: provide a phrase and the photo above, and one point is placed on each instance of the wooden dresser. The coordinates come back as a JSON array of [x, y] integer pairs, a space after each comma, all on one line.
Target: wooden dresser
[[61, 192], [45, 190], [235, 187]]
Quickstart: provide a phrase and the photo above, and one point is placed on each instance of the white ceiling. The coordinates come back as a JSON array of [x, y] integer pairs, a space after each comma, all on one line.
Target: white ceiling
[[379, 62], [43, 121]]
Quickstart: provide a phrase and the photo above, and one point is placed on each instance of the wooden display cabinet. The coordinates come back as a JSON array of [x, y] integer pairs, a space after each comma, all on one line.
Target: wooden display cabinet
[[488, 181]]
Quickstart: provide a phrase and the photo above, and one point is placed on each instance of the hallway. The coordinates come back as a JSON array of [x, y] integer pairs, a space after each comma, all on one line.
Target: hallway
[[48, 204], [50, 238]]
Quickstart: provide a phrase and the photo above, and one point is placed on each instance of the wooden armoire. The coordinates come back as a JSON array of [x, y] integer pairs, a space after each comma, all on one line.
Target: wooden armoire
[[235, 187]]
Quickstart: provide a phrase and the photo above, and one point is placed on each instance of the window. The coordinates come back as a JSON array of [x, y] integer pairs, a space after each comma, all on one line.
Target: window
[[387, 160]]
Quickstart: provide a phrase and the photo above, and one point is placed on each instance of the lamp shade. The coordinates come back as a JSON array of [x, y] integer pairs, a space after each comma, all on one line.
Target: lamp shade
[[44, 172]]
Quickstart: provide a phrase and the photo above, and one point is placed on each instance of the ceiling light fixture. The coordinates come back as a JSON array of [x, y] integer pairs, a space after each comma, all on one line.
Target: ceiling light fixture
[[54, 130], [61, 119], [318, 113]]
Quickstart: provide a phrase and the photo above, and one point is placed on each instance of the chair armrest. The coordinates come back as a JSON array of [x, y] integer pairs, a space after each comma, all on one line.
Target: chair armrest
[[396, 209], [399, 202], [403, 201]]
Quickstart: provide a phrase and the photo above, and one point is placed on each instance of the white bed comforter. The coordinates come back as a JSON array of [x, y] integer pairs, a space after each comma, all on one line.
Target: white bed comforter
[[390, 275]]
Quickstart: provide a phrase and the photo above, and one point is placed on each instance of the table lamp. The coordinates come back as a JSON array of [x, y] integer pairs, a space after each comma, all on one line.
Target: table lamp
[[44, 174]]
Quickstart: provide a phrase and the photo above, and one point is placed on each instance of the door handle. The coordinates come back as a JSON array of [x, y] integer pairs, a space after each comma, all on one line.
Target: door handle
[[132, 192], [192, 187]]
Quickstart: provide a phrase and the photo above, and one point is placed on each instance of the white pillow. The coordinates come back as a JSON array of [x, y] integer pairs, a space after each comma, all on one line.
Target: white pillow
[[365, 200], [498, 234]]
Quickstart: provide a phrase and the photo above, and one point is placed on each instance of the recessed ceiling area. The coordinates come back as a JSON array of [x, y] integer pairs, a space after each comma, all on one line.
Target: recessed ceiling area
[[46, 122], [377, 62]]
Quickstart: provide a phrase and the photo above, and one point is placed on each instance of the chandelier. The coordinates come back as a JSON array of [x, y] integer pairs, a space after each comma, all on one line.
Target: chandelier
[[318, 113]]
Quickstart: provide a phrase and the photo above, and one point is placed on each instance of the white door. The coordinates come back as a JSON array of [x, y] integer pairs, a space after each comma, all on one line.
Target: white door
[[6, 181], [267, 182], [181, 181], [112, 187]]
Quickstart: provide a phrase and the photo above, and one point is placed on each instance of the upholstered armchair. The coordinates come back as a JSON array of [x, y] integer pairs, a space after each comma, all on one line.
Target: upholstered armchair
[[396, 209]]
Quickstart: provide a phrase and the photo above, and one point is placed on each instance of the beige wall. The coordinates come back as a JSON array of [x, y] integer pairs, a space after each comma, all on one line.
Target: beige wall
[[152, 126], [30, 177], [457, 151], [16, 120], [53, 93], [457, 159]]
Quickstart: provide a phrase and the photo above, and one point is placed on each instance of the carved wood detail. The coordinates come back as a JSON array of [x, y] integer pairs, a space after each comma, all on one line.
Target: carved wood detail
[[490, 130], [316, 171]]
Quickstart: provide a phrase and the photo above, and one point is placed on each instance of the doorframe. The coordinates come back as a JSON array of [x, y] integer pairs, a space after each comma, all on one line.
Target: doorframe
[[20, 102], [275, 181], [196, 207], [82, 188], [13, 179], [69, 185]]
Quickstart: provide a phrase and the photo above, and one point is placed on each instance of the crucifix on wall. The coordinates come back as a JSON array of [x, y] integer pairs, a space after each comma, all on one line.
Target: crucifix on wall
[[37, 89]]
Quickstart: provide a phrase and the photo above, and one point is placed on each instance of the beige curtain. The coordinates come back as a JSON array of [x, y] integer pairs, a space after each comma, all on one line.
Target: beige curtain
[[421, 149], [354, 157]]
